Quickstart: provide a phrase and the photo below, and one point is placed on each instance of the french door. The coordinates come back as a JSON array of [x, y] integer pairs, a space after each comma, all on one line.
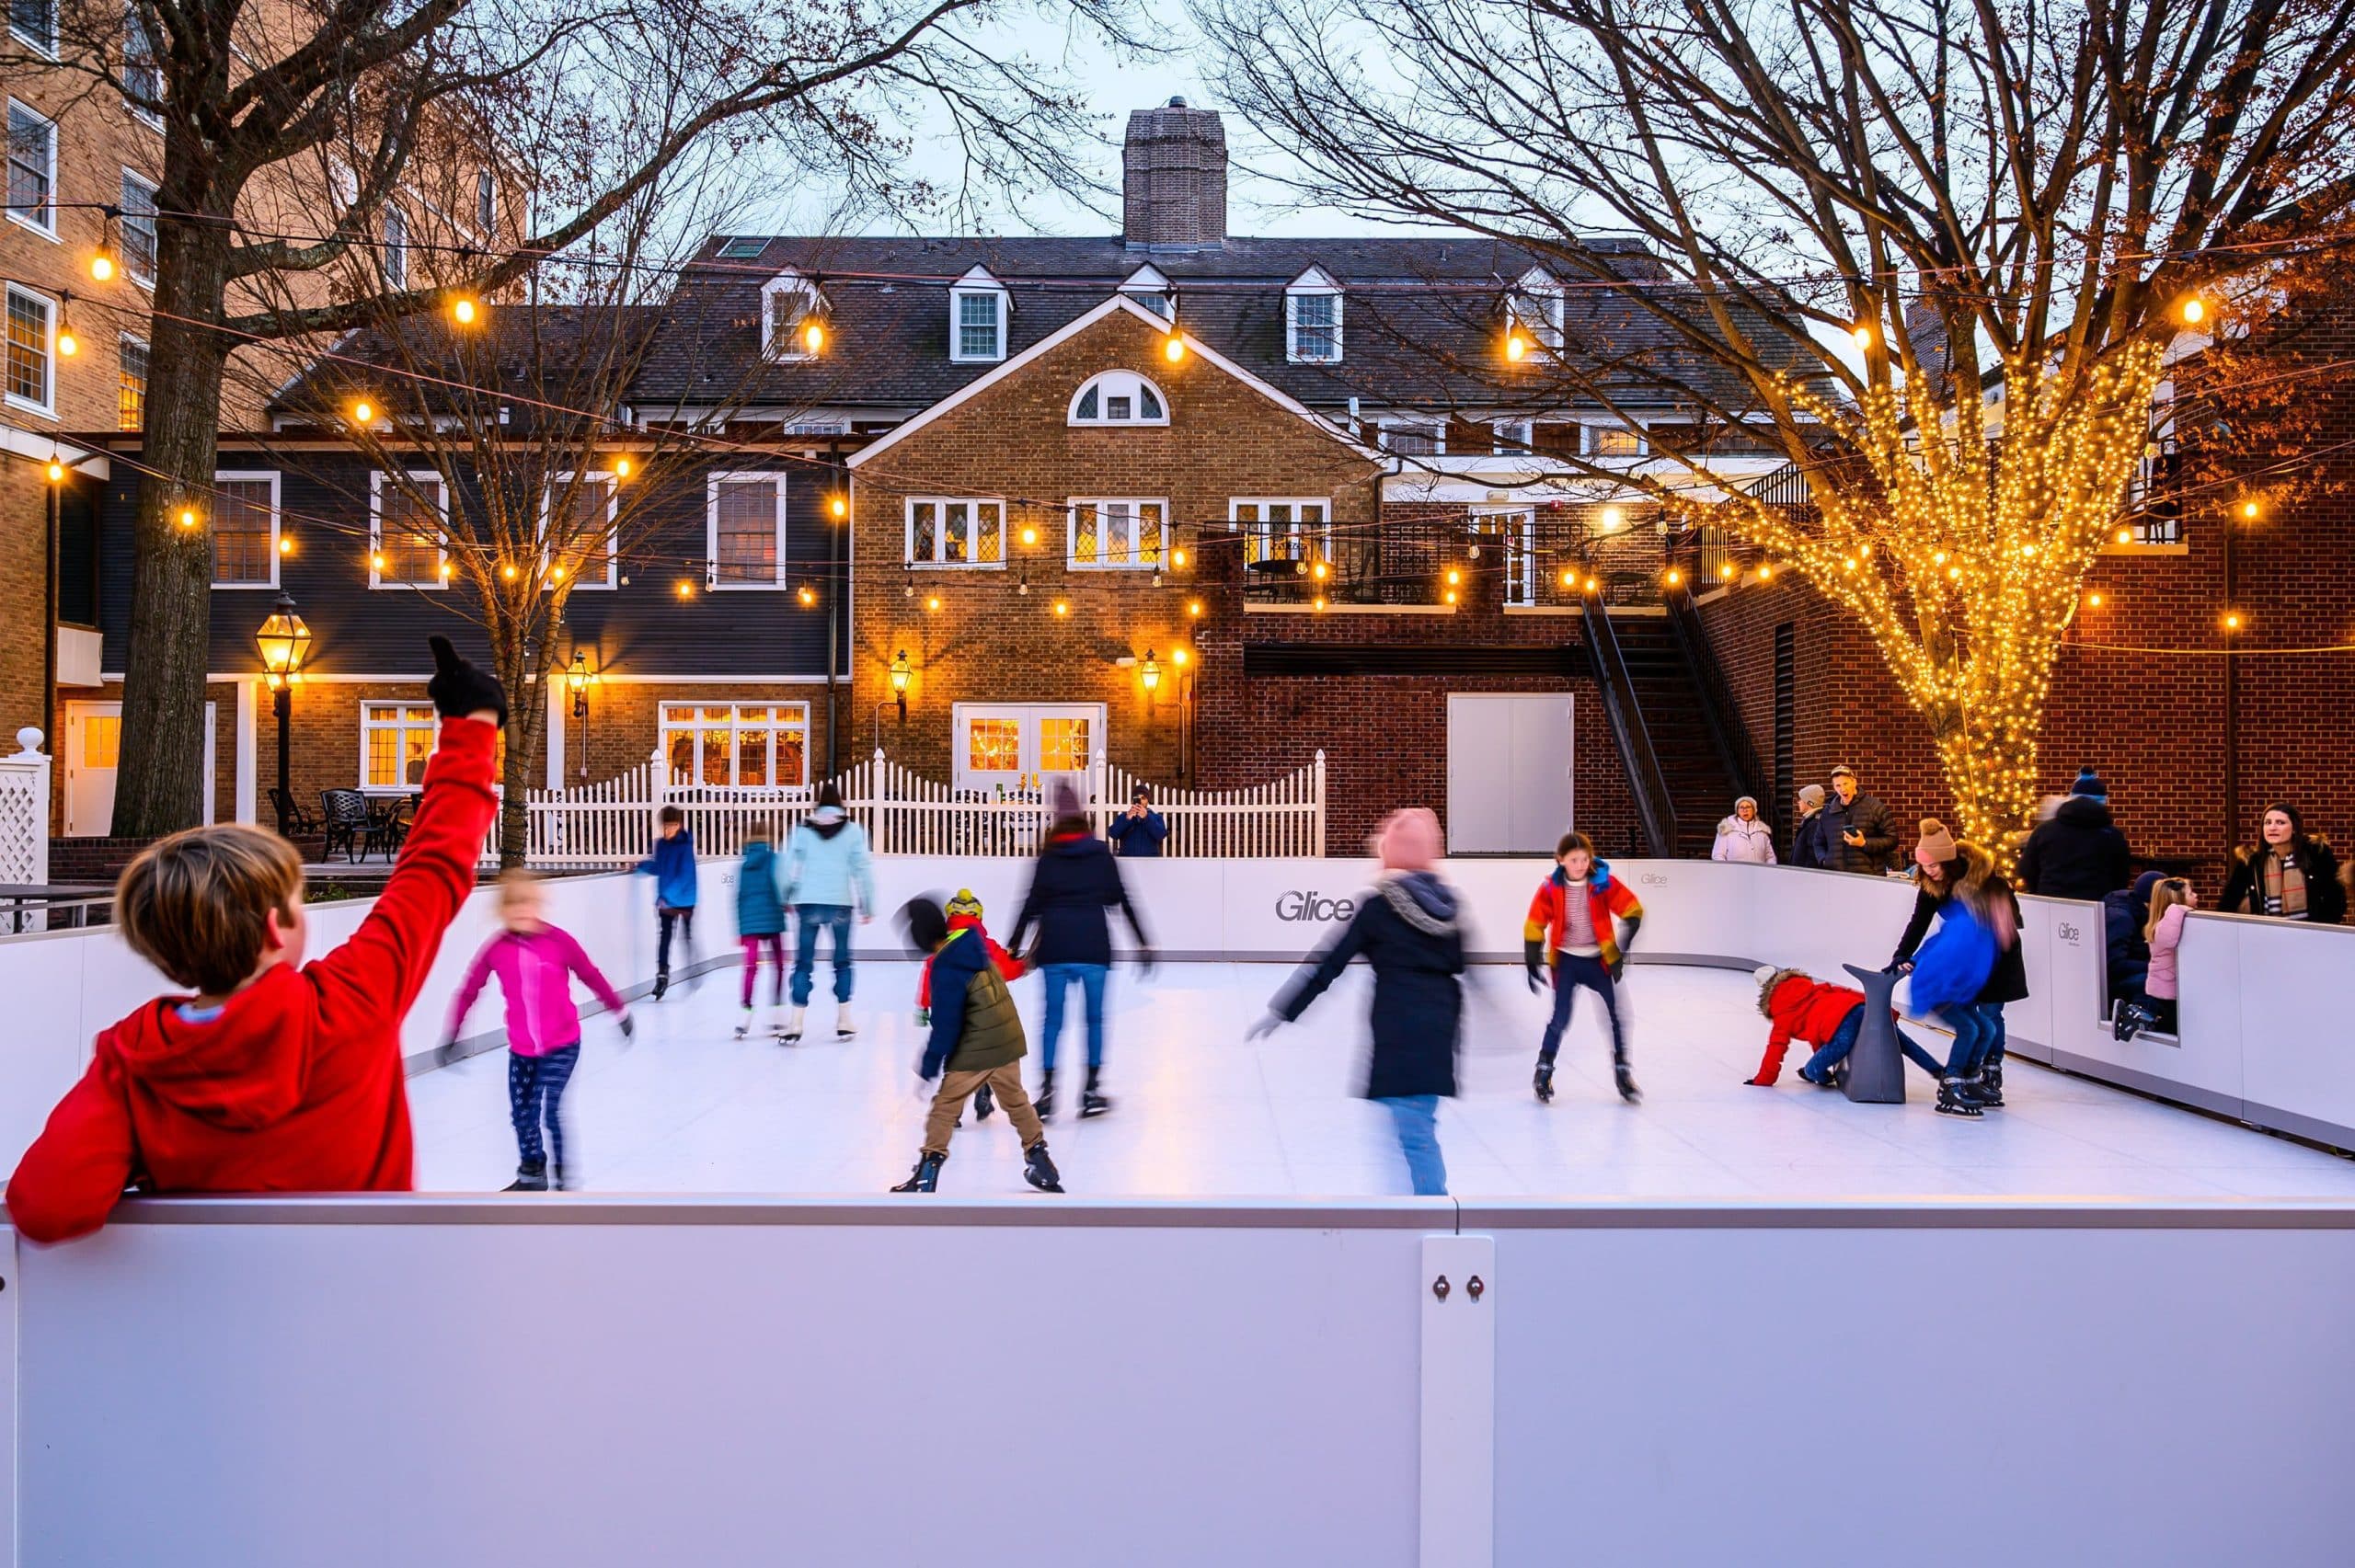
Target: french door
[[1022, 748]]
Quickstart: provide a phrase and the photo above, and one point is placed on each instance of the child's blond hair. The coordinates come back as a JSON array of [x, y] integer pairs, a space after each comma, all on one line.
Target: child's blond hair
[[2164, 895], [196, 904]]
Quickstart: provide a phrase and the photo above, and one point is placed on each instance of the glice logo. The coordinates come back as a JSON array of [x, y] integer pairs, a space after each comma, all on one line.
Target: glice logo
[[1307, 906]]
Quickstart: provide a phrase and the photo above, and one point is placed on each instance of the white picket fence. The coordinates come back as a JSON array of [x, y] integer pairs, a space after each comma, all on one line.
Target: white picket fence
[[612, 823]]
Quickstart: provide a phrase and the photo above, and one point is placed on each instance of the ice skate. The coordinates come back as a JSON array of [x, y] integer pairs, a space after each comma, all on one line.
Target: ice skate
[[661, 983], [845, 1025], [563, 1181], [926, 1176], [790, 1030], [529, 1179], [1040, 1171], [1543, 1082], [744, 1023], [1044, 1099], [1953, 1101], [1626, 1079], [984, 1103], [1092, 1103], [1983, 1087], [1993, 1073]]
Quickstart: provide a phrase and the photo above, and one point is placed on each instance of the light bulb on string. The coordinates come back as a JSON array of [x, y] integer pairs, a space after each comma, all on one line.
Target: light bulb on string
[[687, 588], [56, 472], [1516, 346], [102, 266], [808, 596], [188, 518], [286, 544], [1173, 348], [363, 412], [1177, 559], [933, 602], [1194, 608], [1029, 534], [2193, 309], [463, 309], [2250, 512], [1062, 607], [376, 562], [1863, 334], [508, 571], [813, 335], [622, 467]]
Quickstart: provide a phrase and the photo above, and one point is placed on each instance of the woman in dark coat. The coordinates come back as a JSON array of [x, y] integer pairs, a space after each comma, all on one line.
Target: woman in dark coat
[[1943, 870], [2289, 876], [1076, 881], [1407, 930]]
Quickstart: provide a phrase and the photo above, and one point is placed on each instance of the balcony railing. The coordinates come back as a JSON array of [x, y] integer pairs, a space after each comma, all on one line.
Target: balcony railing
[[1541, 557]]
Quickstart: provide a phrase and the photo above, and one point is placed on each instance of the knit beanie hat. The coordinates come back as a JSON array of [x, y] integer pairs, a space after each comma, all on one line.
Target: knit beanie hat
[[964, 903], [2089, 784], [1812, 796], [1064, 800], [1936, 846], [1408, 840]]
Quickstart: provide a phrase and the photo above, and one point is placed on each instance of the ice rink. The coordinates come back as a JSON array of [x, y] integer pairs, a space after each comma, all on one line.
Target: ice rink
[[1199, 1112]]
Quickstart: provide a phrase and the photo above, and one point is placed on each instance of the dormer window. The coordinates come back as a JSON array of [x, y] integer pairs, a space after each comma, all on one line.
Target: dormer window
[[1151, 288], [793, 317], [1120, 397], [1313, 319], [1535, 306], [978, 307]]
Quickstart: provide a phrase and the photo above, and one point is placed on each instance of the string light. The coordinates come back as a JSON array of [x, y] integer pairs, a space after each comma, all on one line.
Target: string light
[[556, 573], [687, 588], [933, 602], [1194, 608], [286, 544], [2093, 599], [839, 506], [808, 596], [1675, 576], [447, 571], [363, 412], [508, 571], [102, 263], [1177, 559], [1516, 346], [1612, 517], [1320, 571], [1173, 348], [462, 311], [1454, 576], [1569, 578], [2193, 309], [621, 467], [1029, 534], [2233, 622], [1450, 597], [1863, 333], [1765, 571], [1589, 585], [1318, 602], [376, 562], [56, 472], [2126, 537], [813, 335], [188, 518], [2250, 512], [1179, 657], [1725, 572], [68, 345], [1062, 607]]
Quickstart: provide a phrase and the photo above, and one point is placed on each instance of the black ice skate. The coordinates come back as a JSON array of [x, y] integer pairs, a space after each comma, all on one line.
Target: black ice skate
[[927, 1177], [529, 1178], [661, 983], [560, 1183], [1040, 1171], [1543, 1082], [1626, 1077], [1993, 1073], [1984, 1087], [1955, 1101], [1092, 1103], [1044, 1099], [984, 1103]]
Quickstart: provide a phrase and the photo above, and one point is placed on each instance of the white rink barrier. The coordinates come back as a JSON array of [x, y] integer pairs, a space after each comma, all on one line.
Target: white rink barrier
[[608, 1383], [2263, 1029]]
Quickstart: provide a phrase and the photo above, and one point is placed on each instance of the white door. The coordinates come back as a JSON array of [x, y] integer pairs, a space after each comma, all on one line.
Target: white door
[[1509, 773], [93, 742], [1021, 748]]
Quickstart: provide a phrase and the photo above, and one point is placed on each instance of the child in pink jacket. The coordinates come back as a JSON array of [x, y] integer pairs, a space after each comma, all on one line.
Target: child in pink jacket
[[2171, 901], [536, 963]]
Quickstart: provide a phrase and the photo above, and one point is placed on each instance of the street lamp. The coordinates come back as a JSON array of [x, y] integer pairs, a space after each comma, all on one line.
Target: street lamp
[[1149, 673], [284, 642], [577, 679]]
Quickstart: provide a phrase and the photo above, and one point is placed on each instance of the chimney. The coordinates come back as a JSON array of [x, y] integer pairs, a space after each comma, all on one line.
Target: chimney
[[1174, 178]]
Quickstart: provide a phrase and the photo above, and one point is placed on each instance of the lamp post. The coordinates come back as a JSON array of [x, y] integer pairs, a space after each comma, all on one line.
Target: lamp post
[[284, 641], [577, 679]]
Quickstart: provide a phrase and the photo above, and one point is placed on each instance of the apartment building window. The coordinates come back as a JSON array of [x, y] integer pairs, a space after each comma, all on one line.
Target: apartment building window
[[737, 745], [406, 531], [139, 229], [745, 514], [395, 248], [244, 531], [35, 21], [947, 533], [395, 738], [980, 323], [29, 380], [486, 202], [1614, 441], [142, 73], [1414, 438], [1119, 398], [1117, 533], [578, 517], [1512, 438], [1287, 529], [1313, 319], [33, 169], [130, 397]]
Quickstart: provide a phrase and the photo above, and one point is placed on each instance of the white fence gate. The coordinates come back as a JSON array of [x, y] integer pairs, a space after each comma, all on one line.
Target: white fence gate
[[612, 823]]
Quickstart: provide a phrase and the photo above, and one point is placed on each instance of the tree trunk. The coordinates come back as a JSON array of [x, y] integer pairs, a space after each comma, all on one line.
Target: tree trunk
[[1989, 767], [159, 786], [514, 655]]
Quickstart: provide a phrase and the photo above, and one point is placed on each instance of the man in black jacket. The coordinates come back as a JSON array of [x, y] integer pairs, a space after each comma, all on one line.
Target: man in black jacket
[[1857, 835], [1807, 846], [2079, 853]]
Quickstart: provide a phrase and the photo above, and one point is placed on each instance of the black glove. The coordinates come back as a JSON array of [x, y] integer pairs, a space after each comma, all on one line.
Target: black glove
[[1534, 959], [628, 1025], [1145, 961], [1616, 969], [459, 688]]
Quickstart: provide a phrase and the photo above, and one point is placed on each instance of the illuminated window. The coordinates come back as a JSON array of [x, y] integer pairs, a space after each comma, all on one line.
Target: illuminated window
[[244, 531], [737, 745], [1116, 533], [993, 745], [945, 532], [1291, 529], [577, 519], [130, 396], [102, 740], [1064, 745], [395, 738], [30, 364], [1614, 441]]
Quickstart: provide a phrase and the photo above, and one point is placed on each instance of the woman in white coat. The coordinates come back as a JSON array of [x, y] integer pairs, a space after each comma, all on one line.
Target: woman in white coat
[[1744, 837]]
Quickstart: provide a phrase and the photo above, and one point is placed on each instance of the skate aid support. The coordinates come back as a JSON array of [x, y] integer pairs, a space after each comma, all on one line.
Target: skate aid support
[[1875, 1072]]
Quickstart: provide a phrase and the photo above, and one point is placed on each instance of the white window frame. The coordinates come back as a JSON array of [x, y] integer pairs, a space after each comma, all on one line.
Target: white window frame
[[376, 479], [369, 726], [788, 345], [486, 202], [557, 485], [978, 283], [46, 225], [47, 46], [1438, 427], [131, 177], [1319, 533], [1314, 283], [1151, 288], [774, 477], [728, 252], [1592, 437], [940, 534], [1136, 561], [1028, 754], [49, 355], [394, 260], [1102, 385], [696, 725], [134, 33], [1516, 535], [1537, 303], [249, 475], [123, 341], [1513, 437]]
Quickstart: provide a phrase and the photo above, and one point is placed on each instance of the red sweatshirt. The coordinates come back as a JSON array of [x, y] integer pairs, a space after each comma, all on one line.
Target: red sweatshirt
[[296, 1086]]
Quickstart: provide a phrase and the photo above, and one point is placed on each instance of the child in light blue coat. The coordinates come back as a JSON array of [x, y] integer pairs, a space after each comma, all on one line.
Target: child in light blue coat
[[829, 876]]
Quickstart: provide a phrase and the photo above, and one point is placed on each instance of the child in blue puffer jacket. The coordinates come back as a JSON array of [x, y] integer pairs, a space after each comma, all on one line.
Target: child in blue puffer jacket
[[1951, 968], [673, 867], [759, 922]]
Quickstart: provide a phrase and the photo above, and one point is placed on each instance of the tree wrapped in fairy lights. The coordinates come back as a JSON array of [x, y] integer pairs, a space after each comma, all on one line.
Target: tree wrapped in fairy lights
[[1942, 252]]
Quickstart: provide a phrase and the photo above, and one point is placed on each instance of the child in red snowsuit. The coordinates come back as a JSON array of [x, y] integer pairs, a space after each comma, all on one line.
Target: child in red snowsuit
[[964, 913], [275, 1076], [1821, 1015]]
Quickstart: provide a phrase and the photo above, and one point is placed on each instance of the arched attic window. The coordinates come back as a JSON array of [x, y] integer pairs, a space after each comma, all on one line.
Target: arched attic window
[[790, 305], [1119, 398]]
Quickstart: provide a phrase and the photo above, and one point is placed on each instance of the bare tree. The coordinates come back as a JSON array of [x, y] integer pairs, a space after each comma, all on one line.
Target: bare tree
[[1938, 247], [292, 135]]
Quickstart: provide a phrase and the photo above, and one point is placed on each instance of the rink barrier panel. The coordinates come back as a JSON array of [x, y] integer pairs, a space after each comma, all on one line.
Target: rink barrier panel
[[2261, 1031]]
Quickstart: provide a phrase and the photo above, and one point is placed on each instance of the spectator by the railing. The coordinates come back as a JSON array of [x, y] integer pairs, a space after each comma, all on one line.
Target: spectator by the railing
[[1809, 848], [2172, 901], [1076, 880], [2079, 852], [2290, 875], [829, 877], [1744, 837], [673, 867], [2126, 918], [1958, 878], [1140, 831], [1858, 832], [274, 1076]]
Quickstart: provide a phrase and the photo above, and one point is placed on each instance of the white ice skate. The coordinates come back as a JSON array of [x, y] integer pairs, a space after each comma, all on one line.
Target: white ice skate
[[845, 1025], [790, 1030]]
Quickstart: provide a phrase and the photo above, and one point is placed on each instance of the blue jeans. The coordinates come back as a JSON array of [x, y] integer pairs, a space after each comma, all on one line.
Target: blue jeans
[[1992, 1014], [1416, 1116], [1844, 1040], [535, 1090], [809, 920], [1091, 979], [1970, 1036]]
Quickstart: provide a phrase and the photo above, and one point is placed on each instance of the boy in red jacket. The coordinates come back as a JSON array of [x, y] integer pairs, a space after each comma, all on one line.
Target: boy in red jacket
[[1571, 929], [274, 1077]]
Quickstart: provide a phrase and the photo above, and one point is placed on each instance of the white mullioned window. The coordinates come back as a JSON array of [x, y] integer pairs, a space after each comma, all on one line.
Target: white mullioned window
[[1312, 319], [245, 530], [577, 521], [1614, 441], [737, 745], [1512, 438], [949, 530], [395, 740], [978, 307], [1414, 438], [485, 202], [1123, 533], [1518, 532], [396, 257], [1537, 306], [139, 237], [1288, 528], [131, 387], [32, 168], [1119, 398], [789, 304], [409, 530], [32, 350], [142, 71], [35, 21], [745, 514]]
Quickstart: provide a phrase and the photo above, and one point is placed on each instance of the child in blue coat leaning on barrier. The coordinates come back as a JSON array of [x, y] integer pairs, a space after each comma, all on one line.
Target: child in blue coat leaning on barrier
[[673, 867], [829, 876]]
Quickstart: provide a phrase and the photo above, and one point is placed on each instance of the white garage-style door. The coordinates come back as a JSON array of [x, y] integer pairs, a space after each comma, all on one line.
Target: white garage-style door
[[1509, 773]]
